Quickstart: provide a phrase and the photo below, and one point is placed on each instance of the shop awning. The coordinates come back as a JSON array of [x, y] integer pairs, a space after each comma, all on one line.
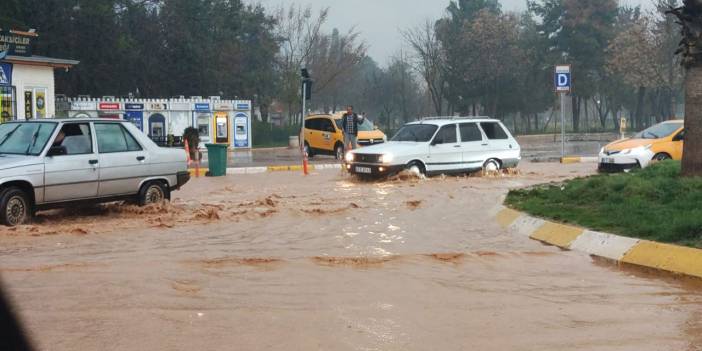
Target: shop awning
[[35, 60]]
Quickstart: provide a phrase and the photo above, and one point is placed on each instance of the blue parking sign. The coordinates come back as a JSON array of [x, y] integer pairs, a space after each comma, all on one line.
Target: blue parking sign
[[562, 79]]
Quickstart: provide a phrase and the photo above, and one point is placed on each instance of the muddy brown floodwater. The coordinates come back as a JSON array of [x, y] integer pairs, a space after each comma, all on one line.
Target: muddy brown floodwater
[[284, 262]]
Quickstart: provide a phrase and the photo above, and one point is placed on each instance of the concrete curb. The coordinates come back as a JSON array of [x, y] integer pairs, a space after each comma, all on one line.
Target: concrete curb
[[579, 159], [266, 169], [666, 257]]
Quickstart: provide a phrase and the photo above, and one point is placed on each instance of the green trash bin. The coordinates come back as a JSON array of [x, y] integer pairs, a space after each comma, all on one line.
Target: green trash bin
[[217, 159]]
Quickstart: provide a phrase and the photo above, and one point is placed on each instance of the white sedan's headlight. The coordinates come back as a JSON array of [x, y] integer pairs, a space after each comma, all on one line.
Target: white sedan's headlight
[[387, 158], [349, 157]]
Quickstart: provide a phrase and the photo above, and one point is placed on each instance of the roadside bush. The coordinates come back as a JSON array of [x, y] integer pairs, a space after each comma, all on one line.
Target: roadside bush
[[267, 135]]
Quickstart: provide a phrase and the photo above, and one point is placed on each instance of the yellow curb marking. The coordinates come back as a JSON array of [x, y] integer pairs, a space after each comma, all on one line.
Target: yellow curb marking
[[193, 172], [667, 257], [507, 216], [557, 234], [288, 168], [570, 159]]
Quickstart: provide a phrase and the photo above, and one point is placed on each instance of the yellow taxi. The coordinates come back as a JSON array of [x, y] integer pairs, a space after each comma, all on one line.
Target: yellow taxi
[[323, 134], [660, 142]]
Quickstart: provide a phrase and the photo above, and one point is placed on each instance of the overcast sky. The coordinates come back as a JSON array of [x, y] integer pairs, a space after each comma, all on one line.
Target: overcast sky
[[379, 21]]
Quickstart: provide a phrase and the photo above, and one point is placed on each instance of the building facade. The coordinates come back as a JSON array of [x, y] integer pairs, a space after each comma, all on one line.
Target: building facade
[[164, 120], [26, 80]]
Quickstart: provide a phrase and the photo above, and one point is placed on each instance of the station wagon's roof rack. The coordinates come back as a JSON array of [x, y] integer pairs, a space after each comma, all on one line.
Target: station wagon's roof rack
[[453, 117]]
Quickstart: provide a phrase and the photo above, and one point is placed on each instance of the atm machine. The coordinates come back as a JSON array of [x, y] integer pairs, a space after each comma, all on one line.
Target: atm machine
[[221, 128]]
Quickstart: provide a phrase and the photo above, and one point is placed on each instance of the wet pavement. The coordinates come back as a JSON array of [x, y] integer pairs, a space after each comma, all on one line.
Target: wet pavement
[[325, 262]]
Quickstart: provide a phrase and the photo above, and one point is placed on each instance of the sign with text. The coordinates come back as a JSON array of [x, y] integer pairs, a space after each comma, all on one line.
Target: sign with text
[[83, 105], [133, 106], [16, 42], [158, 106], [202, 107], [562, 79], [109, 106], [28, 102]]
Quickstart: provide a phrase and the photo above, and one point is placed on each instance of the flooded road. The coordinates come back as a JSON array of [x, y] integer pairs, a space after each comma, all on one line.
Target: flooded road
[[280, 261]]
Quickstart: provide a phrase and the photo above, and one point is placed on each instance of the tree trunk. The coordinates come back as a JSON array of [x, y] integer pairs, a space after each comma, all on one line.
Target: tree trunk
[[692, 149], [638, 115], [576, 113]]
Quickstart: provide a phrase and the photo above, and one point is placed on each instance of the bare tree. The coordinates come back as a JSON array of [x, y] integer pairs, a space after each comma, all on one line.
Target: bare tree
[[335, 58], [298, 30], [429, 61]]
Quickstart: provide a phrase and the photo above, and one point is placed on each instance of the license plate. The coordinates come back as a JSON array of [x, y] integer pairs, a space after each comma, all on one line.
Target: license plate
[[607, 160], [365, 170]]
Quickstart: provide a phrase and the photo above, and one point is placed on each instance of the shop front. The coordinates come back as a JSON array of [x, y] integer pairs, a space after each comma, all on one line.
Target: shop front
[[26, 80], [110, 110], [157, 126], [202, 115], [134, 113]]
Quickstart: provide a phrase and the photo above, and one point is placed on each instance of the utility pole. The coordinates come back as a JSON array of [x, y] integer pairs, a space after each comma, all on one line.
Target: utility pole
[[562, 82]]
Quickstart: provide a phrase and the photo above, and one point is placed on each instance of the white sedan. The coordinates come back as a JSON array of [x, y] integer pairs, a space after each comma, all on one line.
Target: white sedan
[[440, 145]]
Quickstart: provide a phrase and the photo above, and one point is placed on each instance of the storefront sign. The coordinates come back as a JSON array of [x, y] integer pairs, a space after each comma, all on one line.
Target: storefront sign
[[158, 106], [134, 107], [41, 104], [5, 73], [202, 107], [17, 43], [223, 106], [107, 106], [242, 106], [28, 110], [83, 106]]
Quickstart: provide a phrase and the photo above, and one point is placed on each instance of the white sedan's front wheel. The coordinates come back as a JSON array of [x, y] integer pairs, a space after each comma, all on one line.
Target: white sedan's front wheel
[[15, 207]]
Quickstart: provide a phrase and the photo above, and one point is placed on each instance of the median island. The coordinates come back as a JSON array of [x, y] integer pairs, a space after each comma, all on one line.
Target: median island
[[654, 203]]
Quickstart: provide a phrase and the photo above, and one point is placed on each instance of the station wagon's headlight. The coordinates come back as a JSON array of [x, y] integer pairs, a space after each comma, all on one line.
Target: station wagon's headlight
[[349, 157], [387, 158]]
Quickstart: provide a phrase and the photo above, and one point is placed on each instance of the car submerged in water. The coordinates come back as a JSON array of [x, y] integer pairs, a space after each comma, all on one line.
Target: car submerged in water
[[60, 162], [663, 141], [440, 145]]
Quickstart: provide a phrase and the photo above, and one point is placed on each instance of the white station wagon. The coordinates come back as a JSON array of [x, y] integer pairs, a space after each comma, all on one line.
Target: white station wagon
[[59, 162], [440, 145]]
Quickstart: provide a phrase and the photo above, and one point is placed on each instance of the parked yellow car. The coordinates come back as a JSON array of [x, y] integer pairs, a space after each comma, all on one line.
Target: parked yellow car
[[323, 134], [660, 142]]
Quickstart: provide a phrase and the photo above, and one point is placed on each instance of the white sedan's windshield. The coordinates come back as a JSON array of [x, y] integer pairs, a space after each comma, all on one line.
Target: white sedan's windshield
[[415, 132], [24, 138]]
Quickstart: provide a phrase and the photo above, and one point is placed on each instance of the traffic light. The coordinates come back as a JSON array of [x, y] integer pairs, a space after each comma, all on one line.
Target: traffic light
[[306, 84]]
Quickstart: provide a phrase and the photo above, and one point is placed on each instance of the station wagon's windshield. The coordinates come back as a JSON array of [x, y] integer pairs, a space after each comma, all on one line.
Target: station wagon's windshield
[[659, 131], [366, 126], [415, 132], [25, 138]]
